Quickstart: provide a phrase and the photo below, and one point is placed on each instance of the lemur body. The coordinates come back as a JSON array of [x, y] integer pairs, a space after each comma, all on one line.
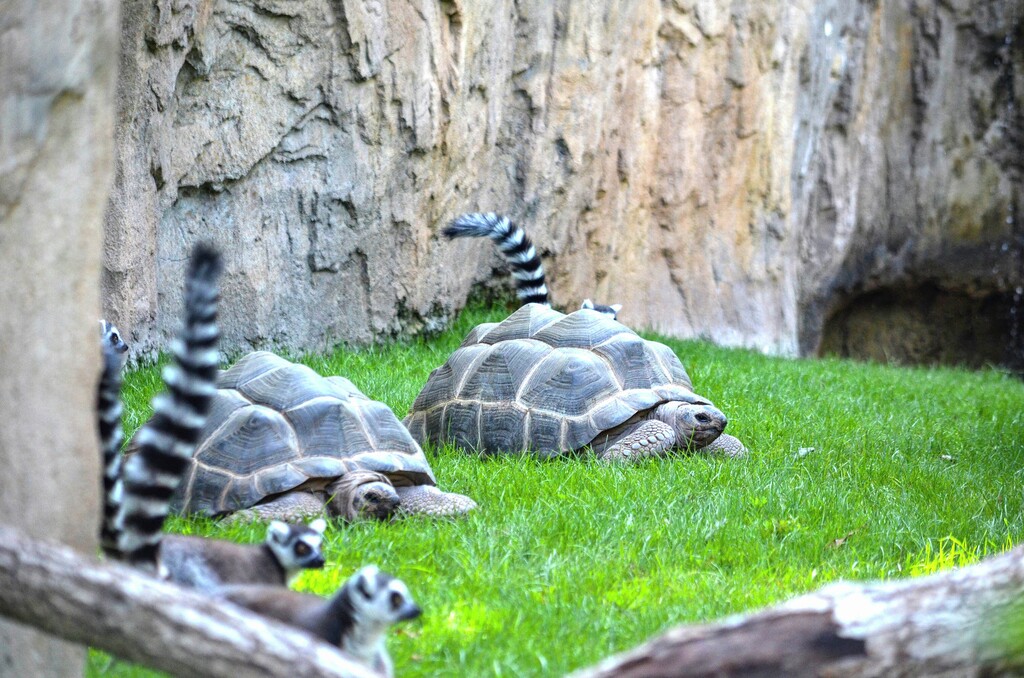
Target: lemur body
[[516, 248], [137, 493], [208, 564], [355, 619]]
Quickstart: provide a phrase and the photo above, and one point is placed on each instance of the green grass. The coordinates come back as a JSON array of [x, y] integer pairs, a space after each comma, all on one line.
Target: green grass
[[856, 471]]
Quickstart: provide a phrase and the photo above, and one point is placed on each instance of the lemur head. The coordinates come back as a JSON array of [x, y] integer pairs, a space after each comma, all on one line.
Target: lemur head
[[379, 599], [612, 310], [297, 547], [114, 347]]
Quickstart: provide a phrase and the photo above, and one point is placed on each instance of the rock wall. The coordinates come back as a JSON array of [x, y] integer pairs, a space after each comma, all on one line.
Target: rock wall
[[57, 79], [909, 184], [741, 173]]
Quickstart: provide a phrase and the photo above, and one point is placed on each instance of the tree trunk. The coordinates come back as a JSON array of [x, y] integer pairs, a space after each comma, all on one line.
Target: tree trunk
[[58, 67], [962, 622], [135, 617]]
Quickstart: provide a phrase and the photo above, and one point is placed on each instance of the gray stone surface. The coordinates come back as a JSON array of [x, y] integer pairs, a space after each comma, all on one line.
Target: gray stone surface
[[57, 77], [740, 173]]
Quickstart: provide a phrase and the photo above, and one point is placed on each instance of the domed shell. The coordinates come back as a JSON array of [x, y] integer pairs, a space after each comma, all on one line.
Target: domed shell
[[276, 425], [546, 382]]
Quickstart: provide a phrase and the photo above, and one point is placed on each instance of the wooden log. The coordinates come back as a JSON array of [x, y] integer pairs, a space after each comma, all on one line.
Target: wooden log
[[112, 607], [955, 623]]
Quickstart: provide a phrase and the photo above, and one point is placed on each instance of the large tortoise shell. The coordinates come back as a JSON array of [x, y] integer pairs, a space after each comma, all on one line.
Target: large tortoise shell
[[276, 425], [546, 382]]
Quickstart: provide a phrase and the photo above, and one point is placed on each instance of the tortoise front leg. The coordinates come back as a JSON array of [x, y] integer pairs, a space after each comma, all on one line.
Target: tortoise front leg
[[292, 507], [648, 438], [431, 501]]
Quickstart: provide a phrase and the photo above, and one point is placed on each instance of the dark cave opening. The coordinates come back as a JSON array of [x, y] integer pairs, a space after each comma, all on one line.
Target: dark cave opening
[[927, 325]]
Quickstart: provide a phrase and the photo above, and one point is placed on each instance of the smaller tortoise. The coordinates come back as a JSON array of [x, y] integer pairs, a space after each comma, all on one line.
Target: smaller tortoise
[[284, 443], [555, 384]]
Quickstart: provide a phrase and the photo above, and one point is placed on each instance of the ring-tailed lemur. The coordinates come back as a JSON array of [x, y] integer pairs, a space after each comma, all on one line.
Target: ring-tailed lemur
[[113, 343], [138, 501], [516, 248], [355, 619], [208, 564]]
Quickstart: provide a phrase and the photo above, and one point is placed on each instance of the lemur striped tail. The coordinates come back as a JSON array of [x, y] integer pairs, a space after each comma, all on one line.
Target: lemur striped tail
[[108, 411], [513, 244], [167, 441]]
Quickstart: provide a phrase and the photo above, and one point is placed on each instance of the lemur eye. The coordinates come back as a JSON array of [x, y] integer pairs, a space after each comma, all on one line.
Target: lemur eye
[[302, 549], [114, 338], [396, 600]]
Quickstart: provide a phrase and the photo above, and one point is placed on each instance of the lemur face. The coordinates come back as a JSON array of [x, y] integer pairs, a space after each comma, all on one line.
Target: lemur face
[[297, 547], [380, 598], [113, 343]]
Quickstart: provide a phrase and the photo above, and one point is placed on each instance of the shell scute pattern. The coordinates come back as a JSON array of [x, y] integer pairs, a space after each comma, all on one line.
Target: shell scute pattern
[[277, 425], [614, 411], [477, 333], [547, 382], [570, 382], [506, 423], [544, 431], [523, 324], [463, 423], [633, 361], [670, 363], [253, 427], [326, 424], [494, 377], [578, 330]]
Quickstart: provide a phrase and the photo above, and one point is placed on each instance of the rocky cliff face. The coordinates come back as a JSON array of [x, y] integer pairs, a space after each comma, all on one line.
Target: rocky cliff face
[[909, 185], [745, 173]]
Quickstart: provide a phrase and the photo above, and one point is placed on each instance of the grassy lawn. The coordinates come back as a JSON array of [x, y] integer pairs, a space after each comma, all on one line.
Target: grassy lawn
[[856, 471]]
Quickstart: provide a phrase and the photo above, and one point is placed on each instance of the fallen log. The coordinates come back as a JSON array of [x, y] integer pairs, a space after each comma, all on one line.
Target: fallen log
[[964, 622], [129, 614]]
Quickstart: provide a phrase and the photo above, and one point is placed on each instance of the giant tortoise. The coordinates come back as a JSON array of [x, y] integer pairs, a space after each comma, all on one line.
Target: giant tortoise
[[552, 384], [282, 442]]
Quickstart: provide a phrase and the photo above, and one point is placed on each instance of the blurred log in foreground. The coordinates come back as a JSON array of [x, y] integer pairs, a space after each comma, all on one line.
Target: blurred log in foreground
[[966, 622]]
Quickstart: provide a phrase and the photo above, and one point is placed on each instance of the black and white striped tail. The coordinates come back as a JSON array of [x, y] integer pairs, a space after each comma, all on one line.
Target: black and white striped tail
[[108, 412], [167, 441], [513, 244]]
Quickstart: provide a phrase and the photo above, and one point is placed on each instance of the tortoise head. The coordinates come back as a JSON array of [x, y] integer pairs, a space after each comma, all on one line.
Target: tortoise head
[[696, 421], [358, 495]]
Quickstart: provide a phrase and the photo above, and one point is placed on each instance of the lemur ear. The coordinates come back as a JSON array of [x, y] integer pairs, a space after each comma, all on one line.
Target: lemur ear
[[587, 303], [277, 531], [616, 307], [318, 525], [365, 581]]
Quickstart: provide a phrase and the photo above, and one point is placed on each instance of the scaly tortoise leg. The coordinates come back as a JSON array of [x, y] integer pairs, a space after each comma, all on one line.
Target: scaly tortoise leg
[[649, 438], [292, 507], [428, 500], [725, 445]]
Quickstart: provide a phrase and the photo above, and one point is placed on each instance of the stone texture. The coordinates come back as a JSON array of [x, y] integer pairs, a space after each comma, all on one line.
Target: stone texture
[[741, 173], [912, 193], [57, 78]]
